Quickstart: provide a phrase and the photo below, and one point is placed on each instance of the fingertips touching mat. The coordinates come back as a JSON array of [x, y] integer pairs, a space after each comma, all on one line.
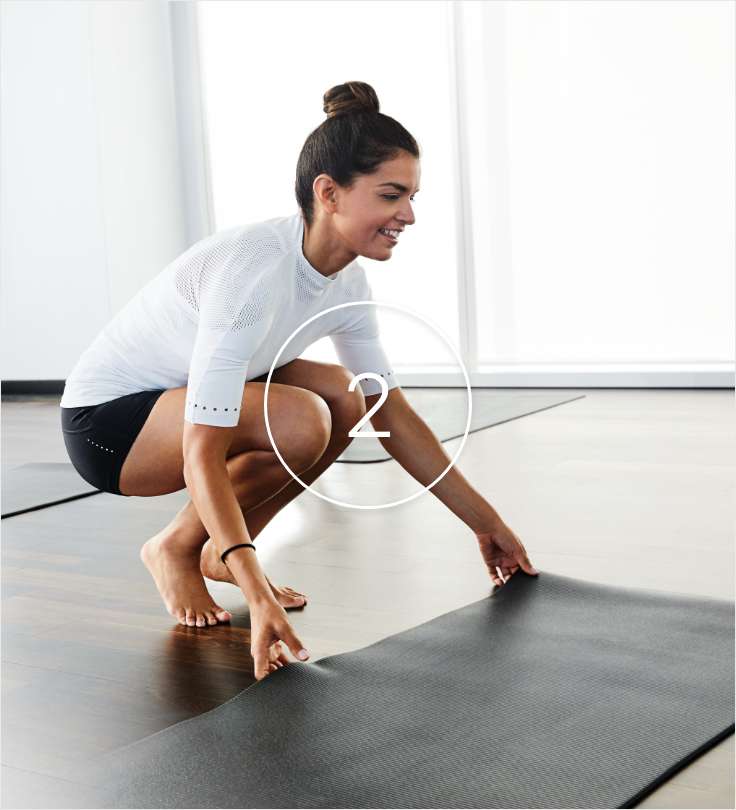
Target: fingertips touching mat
[[552, 692]]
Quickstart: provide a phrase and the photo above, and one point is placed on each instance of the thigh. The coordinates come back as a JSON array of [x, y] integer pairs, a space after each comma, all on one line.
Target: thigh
[[330, 381], [155, 463]]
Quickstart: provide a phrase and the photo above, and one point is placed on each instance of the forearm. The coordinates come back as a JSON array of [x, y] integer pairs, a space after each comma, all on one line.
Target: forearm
[[419, 452], [212, 494]]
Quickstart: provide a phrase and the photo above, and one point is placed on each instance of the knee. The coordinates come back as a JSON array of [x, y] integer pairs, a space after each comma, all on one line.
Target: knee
[[347, 407], [309, 432]]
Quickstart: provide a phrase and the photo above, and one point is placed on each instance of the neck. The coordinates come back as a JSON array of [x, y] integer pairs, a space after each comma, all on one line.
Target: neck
[[324, 249]]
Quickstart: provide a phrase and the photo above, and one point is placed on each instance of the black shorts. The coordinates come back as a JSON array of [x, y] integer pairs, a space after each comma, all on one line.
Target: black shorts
[[98, 437]]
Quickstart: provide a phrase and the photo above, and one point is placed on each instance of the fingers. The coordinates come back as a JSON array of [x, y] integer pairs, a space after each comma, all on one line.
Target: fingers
[[276, 655], [274, 650], [294, 644], [282, 657], [523, 559], [268, 658], [499, 575], [526, 564], [504, 553], [502, 573], [261, 663]]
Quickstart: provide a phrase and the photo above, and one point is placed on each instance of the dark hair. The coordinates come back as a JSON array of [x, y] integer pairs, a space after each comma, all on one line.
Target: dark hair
[[355, 138]]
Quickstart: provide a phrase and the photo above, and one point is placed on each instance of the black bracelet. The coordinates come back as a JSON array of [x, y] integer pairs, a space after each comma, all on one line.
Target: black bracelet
[[232, 548]]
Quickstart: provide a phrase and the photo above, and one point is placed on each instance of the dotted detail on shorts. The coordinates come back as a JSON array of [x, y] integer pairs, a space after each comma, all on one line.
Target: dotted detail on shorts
[[107, 449]]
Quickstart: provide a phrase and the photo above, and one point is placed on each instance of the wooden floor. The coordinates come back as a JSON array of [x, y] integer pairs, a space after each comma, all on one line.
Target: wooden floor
[[623, 487]]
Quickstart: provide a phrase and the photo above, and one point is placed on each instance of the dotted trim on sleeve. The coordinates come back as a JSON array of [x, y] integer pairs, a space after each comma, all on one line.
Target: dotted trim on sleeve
[[204, 407]]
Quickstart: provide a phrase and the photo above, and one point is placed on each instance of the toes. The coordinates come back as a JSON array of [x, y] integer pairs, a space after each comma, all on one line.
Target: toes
[[296, 595], [192, 618], [222, 614]]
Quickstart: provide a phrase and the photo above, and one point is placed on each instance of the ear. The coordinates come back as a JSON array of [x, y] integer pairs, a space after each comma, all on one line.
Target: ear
[[324, 190]]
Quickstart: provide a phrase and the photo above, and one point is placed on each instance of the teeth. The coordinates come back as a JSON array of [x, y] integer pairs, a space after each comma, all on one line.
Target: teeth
[[394, 234]]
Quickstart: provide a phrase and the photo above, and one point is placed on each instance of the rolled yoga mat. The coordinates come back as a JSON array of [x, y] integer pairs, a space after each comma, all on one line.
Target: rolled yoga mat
[[445, 410], [33, 486], [552, 692]]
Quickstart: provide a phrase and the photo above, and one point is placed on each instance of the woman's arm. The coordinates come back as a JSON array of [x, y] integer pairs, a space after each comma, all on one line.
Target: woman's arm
[[211, 490], [422, 455], [419, 452], [208, 481]]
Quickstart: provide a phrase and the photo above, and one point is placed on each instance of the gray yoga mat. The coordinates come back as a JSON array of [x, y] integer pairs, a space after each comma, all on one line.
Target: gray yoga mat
[[552, 692], [33, 486], [445, 410]]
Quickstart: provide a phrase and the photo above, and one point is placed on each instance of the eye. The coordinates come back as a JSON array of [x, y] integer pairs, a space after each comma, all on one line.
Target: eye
[[394, 197]]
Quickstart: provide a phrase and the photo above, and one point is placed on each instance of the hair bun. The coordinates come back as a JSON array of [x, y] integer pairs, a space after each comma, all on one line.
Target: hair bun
[[350, 97]]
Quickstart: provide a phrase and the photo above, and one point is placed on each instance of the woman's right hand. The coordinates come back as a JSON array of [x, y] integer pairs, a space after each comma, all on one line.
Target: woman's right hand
[[269, 626]]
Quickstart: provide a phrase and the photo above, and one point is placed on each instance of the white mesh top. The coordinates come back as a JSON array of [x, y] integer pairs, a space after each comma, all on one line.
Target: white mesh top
[[216, 317]]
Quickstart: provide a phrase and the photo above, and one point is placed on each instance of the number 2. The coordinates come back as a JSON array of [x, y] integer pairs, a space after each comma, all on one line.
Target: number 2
[[356, 433]]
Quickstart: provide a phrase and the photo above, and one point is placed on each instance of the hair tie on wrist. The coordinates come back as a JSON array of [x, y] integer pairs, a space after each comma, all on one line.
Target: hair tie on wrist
[[232, 548]]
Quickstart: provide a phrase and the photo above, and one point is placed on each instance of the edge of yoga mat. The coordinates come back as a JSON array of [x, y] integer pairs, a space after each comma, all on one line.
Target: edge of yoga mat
[[678, 766], [81, 483], [388, 457], [497, 593]]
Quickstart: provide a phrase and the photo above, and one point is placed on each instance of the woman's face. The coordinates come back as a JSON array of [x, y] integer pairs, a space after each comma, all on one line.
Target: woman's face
[[375, 203]]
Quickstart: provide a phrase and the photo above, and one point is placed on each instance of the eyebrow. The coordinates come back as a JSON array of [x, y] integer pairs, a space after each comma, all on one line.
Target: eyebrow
[[396, 185]]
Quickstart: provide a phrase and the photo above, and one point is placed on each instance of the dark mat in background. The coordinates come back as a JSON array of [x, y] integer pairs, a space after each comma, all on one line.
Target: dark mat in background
[[552, 692], [445, 410], [33, 486]]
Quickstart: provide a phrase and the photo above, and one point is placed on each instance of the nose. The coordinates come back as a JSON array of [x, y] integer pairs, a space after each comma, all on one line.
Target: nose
[[406, 215]]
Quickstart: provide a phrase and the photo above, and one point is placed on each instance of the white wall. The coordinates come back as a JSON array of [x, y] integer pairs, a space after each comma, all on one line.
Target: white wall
[[91, 204], [577, 189], [609, 190], [99, 190]]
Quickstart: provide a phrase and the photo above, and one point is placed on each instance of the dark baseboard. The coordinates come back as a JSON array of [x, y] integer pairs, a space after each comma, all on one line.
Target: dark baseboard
[[32, 386]]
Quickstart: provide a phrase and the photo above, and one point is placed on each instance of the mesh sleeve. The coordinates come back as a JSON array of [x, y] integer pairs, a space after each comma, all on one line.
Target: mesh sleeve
[[359, 349], [234, 306]]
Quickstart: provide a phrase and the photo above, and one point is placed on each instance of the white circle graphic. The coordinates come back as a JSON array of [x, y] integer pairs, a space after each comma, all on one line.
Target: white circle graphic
[[429, 323]]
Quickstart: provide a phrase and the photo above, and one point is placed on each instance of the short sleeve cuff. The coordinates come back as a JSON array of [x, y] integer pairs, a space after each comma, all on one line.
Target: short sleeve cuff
[[200, 413], [372, 386]]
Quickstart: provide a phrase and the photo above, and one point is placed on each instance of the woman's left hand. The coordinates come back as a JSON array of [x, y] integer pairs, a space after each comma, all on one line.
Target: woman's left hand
[[502, 550]]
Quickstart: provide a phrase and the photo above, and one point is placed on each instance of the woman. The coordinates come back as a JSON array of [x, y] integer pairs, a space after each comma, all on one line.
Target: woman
[[170, 393]]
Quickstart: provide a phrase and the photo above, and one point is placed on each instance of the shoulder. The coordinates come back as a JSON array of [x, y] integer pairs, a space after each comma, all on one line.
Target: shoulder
[[257, 240], [239, 257]]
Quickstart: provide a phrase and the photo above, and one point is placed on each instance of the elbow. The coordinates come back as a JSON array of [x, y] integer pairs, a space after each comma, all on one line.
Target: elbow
[[189, 469], [204, 446]]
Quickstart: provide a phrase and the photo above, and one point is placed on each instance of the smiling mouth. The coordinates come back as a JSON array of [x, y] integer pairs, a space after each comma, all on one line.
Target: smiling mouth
[[392, 239]]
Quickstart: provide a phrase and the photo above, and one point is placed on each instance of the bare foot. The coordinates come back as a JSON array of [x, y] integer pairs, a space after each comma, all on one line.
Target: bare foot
[[179, 581], [213, 567]]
